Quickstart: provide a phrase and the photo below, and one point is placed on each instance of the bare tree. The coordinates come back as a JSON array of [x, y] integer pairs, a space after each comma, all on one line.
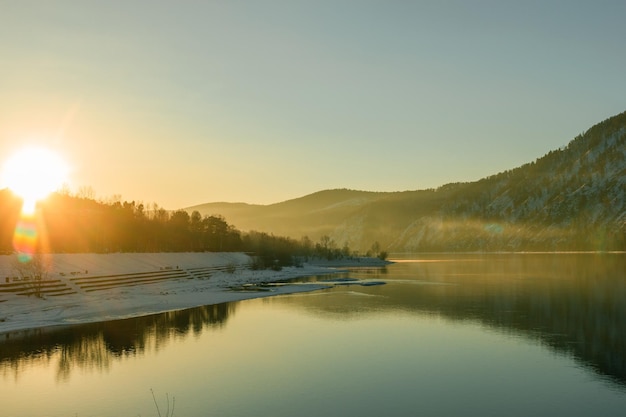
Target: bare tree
[[86, 192], [33, 272]]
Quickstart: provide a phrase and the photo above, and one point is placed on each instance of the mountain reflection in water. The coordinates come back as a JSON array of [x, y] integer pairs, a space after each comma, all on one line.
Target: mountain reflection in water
[[574, 304]]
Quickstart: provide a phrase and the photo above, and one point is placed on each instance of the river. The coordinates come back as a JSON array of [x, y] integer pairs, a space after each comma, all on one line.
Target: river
[[448, 335]]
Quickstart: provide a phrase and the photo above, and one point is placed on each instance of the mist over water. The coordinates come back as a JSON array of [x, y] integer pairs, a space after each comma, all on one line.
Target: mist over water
[[505, 334]]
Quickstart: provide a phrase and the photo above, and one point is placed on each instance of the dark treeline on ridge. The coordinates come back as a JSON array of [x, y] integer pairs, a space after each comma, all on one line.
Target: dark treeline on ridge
[[72, 224]]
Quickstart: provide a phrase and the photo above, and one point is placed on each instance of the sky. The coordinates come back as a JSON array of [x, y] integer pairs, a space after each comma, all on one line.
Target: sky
[[187, 102]]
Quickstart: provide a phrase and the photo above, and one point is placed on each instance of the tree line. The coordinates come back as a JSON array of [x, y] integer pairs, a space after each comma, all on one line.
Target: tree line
[[75, 224]]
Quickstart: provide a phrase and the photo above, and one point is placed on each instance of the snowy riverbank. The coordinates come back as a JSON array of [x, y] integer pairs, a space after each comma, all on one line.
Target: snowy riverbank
[[104, 287]]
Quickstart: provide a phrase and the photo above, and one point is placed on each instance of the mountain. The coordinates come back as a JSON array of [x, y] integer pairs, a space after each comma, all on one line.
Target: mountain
[[573, 198], [313, 215]]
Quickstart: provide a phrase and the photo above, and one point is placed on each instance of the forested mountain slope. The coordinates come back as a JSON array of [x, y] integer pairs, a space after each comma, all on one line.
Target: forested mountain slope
[[573, 198]]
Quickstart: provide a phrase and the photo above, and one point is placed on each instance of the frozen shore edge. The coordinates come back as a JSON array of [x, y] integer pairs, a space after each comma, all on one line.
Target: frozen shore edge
[[21, 315]]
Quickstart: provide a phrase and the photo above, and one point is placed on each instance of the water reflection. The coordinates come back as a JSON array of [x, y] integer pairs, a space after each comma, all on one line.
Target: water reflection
[[95, 346], [573, 304]]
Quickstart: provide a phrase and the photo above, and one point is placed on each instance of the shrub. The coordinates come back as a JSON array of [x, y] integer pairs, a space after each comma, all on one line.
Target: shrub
[[231, 268]]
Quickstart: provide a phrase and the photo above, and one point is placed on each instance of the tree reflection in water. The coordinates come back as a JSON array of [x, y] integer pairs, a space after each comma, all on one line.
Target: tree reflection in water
[[96, 345]]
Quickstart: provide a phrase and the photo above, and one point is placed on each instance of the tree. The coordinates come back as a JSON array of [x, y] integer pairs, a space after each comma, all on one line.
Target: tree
[[86, 192], [216, 232], [375, 250], [179, 233], [34, 272], [306, 246], [197, 230]]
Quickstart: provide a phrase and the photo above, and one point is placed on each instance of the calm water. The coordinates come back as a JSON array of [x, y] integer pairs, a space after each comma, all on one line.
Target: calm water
[[455, 335]]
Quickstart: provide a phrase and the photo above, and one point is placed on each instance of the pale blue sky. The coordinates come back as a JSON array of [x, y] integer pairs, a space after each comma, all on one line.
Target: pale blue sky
[[185, 102]]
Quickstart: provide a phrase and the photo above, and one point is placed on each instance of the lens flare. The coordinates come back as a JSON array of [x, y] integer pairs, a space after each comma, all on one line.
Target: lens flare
[[25, 237]]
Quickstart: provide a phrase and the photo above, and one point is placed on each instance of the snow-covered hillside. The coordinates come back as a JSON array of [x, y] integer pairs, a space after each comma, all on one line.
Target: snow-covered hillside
[[573, 198]]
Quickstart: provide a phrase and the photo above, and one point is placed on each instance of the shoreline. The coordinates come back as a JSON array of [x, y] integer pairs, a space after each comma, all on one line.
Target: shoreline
[[21, 315]]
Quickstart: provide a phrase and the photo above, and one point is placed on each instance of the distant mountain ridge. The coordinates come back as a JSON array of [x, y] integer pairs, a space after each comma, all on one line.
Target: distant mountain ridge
[[313, 215], [573, 198]]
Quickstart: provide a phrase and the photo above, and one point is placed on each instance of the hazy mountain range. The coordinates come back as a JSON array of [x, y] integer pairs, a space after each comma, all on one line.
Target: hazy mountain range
[[573, 198]]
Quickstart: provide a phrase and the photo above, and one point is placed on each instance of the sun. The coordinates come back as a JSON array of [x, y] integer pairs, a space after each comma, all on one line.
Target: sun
[[33, 173]]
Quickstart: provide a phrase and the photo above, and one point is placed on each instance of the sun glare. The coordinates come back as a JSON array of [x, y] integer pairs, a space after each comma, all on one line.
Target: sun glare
[[33, 173]]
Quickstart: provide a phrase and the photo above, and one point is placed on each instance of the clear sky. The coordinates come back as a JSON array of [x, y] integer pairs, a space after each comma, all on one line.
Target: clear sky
[[186, 102]]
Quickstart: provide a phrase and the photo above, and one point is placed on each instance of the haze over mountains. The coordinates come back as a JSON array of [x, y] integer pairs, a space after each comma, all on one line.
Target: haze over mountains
[[573, 198]]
